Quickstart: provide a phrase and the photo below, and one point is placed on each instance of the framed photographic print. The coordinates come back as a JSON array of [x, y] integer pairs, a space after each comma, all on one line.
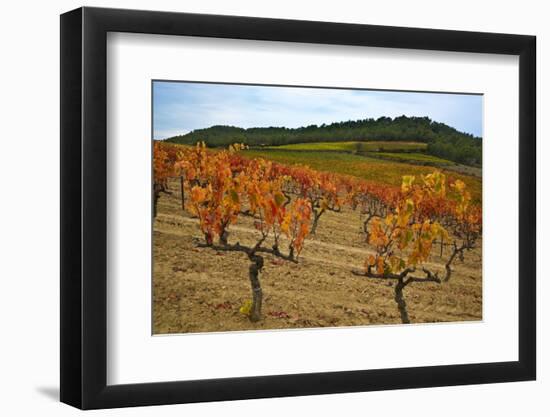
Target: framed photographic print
[[256, 208]]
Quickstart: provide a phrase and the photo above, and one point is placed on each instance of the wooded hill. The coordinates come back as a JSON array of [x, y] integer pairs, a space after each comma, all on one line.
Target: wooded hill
[[443, 141]]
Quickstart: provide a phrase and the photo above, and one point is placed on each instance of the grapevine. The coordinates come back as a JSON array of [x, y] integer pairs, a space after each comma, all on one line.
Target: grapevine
[[404, 238], [217, 196]]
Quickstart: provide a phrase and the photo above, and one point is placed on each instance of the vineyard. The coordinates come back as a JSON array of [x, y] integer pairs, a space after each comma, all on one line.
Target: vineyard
[[244, 242]]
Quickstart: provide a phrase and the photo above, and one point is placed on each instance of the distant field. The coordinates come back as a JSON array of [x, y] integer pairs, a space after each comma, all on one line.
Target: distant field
[[353, 146], [372, 169], [411, 157]]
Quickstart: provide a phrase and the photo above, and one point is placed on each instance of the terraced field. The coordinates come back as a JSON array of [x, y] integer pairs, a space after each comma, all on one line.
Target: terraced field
[[412, 157], [375, 146]]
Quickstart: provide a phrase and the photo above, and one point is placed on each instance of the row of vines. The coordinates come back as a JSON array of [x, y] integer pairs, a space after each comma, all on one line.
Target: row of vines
[[403, 226]]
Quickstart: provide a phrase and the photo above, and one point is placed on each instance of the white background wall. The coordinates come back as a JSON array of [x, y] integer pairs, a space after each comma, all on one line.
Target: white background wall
[[29, 225]]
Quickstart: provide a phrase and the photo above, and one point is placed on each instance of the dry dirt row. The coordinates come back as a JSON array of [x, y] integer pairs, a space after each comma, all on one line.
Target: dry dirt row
[[200, 289]]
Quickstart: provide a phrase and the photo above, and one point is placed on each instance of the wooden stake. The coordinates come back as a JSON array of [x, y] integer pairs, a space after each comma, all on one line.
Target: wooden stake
[[182, 193]]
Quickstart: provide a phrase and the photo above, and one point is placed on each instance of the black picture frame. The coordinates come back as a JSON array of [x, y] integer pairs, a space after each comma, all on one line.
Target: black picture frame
[[84, 207]]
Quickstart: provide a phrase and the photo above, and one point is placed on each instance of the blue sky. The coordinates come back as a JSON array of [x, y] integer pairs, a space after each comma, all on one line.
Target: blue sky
[[180, 107]]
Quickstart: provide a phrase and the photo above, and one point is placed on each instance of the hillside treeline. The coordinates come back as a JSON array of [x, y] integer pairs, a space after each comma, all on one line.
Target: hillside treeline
[[443, 141]]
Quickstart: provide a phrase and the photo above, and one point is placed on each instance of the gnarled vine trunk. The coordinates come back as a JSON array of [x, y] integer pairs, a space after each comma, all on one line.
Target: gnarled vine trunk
[[401, 304], [156, 196], [254, 272], [316, 216], [158, 187]]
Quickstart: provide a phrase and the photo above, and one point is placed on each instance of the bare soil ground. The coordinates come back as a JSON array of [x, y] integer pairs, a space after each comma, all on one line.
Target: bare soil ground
[[201, 290]]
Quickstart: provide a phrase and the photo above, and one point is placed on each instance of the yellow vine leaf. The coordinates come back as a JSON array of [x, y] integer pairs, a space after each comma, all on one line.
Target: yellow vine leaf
[[407, 183], [246, 308]]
